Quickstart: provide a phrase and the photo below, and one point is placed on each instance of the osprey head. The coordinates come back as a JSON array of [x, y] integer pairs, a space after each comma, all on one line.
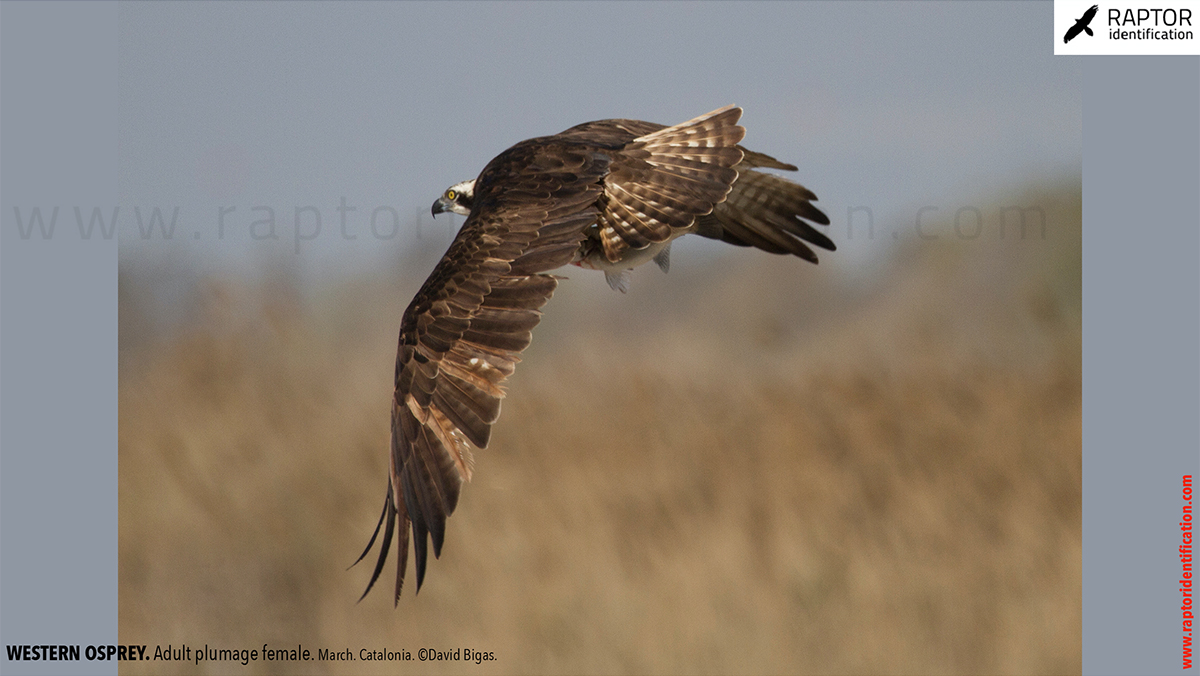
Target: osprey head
[[458, 199]]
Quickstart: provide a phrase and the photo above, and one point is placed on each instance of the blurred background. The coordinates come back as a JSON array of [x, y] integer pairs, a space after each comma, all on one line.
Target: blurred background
[[751, 464]]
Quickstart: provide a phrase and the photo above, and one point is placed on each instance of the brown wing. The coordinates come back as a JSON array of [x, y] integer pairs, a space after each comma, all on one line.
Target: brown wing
[[761, 210], [767, 212], [465, 329], [662, 178]]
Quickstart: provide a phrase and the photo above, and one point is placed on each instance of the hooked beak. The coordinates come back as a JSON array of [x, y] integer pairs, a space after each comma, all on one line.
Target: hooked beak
[[438, 207]]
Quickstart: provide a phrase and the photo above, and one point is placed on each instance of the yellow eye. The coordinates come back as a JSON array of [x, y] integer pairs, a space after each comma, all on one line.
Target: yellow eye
[[450, 194]]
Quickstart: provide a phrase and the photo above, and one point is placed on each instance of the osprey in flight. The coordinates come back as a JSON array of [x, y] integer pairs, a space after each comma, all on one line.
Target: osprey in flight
[[606, 195]]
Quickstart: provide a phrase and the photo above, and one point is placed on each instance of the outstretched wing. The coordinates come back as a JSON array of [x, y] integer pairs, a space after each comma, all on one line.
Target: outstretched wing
[[463, 333]]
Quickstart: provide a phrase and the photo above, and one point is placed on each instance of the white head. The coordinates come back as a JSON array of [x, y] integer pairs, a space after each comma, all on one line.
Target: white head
[[458, 199]]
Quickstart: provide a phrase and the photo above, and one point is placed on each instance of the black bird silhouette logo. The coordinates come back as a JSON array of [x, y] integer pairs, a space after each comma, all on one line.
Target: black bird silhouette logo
[[1081, 26]]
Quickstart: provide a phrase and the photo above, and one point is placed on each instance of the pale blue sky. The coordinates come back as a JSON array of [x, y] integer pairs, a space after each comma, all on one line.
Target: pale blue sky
[[889, 105]]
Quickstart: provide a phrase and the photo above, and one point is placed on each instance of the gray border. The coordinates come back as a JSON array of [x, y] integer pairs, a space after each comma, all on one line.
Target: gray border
[[1141, 353], [58, 343], [58, 334]]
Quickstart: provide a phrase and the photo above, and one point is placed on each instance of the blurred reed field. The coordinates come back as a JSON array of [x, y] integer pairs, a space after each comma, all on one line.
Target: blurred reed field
[[748, 466]]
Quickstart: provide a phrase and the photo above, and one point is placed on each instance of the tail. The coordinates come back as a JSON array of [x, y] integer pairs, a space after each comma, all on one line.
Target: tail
[[660, 182]]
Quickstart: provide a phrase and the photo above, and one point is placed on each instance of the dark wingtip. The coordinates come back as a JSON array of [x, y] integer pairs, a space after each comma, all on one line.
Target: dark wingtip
[[374, 535], [421, 550], [390, 511], [805, 253], [814, 214], [437, 532]]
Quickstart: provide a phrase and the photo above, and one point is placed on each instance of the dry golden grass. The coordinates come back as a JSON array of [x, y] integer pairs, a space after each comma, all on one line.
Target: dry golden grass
[[756, 467]]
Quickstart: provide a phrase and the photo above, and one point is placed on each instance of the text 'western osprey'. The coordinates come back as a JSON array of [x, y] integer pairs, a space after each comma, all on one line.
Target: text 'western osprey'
[[606, 195]]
